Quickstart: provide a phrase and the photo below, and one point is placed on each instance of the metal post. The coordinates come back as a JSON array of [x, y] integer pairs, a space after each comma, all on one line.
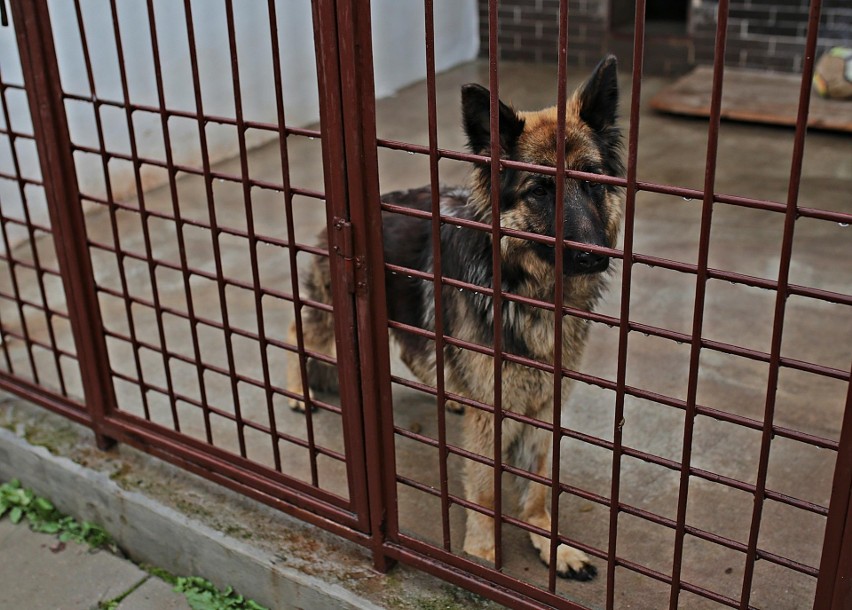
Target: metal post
[[834, 586], [344, 59]]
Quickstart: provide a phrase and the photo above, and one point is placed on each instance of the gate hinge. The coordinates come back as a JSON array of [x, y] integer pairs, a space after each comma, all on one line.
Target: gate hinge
[[343, 248]]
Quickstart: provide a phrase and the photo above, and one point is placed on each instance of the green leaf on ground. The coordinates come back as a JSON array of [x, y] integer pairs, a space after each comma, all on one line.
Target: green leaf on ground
[[44, 517], [201, 594]]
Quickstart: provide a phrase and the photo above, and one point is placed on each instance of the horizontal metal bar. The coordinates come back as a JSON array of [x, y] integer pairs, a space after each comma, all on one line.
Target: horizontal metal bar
[[178, 397], [651, 187], [127, 428], [36, 227], [21, 179], [37, 343], [13, 135], [284, 296], [216, 324], [225, 372], [187, 169], [260, 238], [207, 118], [32, 304], [645, 259], [46, 398]]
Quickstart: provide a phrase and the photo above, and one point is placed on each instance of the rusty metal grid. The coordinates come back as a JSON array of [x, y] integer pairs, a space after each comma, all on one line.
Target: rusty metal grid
[[169, 364], [142, 356], [34, 355], [442, 548]]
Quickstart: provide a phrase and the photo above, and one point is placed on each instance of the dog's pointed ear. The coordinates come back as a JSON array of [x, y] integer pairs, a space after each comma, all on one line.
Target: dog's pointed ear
[[476, 114], [599, 95]]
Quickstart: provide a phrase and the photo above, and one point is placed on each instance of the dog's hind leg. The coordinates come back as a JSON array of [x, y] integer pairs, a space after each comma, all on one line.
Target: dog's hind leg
[[317, 336], [533, 452], [322, 377]]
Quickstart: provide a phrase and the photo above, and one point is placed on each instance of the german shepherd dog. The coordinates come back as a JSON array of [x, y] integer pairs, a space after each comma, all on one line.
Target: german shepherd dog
[[592, 215]]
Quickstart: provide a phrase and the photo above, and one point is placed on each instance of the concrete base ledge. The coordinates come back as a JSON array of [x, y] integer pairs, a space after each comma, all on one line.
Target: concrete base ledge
[[156, 534]]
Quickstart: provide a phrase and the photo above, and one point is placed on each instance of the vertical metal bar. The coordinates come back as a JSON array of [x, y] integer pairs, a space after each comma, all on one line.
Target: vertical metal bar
[[438, 286], [350, 161], [50, 126], [626, 286], [214, 226], [834, 585], [116, 237], [16, 165], [700, 292], [184, 266], [143, 212], [252, 238], [289, 220], [559, 288], [781, 294], [497, 285]]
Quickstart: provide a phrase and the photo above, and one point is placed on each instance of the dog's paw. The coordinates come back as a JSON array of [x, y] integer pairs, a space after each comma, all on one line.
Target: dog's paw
[[299, 405], [571, 563], [586, 572], [454, 407], [482, 552]]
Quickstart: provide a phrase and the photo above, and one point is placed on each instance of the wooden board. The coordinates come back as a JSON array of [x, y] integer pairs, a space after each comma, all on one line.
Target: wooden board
[[754, 96]]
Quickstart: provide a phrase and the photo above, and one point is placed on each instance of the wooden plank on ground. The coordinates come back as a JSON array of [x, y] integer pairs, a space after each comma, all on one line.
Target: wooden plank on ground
[[753, 96]]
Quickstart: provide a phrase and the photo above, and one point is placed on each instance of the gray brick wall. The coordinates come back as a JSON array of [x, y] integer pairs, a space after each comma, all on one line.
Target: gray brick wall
[[770, 34], [763, 34], [529, 30]]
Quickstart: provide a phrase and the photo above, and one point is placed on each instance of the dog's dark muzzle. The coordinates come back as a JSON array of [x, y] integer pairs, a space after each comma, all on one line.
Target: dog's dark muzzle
[[578, 262]]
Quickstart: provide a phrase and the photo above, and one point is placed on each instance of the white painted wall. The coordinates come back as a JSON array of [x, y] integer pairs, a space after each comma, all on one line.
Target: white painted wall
[[399, 57]]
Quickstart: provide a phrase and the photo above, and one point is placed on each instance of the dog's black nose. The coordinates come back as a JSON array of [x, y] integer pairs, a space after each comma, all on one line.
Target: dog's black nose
[[590, 262]]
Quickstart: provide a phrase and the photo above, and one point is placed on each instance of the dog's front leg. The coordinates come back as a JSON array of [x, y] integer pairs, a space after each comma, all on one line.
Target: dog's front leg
[[479, 484], [533, 452]]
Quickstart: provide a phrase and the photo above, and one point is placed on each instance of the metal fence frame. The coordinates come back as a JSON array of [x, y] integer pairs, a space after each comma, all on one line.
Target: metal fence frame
[[350, 158]]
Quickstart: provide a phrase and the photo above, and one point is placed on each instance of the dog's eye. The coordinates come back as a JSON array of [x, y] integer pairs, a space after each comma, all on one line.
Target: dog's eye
[[539, 191], [593, 187]]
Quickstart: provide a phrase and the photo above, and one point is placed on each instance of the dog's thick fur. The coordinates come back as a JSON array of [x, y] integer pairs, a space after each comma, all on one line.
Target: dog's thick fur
[[592, 214]]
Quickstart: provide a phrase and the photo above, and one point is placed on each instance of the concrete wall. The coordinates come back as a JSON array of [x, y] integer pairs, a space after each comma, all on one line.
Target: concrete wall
[[399, 52]]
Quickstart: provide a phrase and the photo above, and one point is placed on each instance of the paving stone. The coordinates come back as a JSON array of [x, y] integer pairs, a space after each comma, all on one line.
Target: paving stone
[[154, 593], [37, 571]]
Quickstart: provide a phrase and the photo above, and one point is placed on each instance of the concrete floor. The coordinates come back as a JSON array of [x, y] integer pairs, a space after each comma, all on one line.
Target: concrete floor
[[753, 161]]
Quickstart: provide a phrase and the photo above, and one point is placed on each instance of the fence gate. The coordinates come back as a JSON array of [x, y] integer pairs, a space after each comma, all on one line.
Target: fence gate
[[153, 290], [180, 299]]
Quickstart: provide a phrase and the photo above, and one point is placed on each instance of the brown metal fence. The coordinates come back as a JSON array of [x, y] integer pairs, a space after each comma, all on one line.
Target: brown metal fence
[[178, 303]]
